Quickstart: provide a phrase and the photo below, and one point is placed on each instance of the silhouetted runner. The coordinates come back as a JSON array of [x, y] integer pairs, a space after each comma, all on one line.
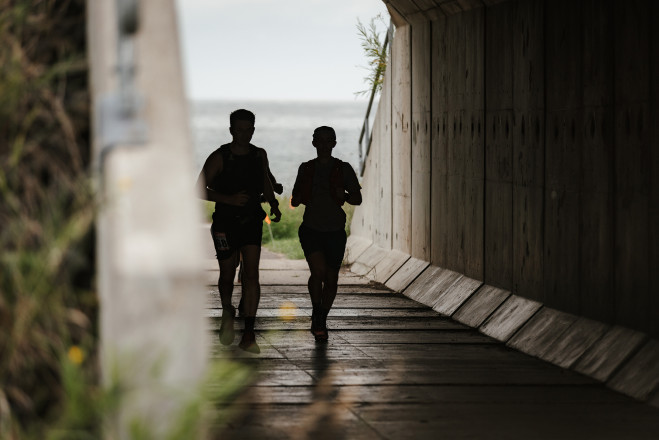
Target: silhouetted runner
[[234, 177], [278, 188], [323, 185]]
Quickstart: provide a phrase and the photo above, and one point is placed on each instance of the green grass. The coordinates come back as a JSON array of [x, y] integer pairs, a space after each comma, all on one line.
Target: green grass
[[290, 247], [284, 234], [48, 306], [50, 385], [284, 239]]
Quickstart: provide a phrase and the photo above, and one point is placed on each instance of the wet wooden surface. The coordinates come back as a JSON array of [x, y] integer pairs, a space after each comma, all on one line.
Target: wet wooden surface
[[396, 369]]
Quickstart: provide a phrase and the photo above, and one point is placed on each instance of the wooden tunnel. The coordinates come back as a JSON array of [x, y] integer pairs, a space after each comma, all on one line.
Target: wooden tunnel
[[516, 143]]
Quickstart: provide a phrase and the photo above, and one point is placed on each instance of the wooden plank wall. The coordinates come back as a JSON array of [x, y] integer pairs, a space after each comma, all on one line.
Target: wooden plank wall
[[539, 171], [439, 143], [455, 158], [401, 138], [528, 149], [632, 161], [654, 149], [563, 158], [420, 42], [474, 142], [597, 246], [383, 144], [498, 257]]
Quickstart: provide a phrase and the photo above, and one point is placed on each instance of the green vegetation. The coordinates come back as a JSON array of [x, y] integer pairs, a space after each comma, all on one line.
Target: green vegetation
[[48, 309], [284, 239], [49, 378], [375, 52]]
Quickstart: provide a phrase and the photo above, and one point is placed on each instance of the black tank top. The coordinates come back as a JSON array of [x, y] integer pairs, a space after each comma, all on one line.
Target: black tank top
[[242, 172]]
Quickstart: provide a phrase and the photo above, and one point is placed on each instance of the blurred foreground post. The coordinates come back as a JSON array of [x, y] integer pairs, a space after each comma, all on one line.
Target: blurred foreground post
[[153, 335]]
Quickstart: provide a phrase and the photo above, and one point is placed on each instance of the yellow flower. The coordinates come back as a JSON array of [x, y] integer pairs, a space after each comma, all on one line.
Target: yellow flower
[[287, 311], [76, 355]]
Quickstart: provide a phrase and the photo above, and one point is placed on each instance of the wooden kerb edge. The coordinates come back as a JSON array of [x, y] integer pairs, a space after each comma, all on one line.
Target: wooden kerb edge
[[355, 246], [626, 360]]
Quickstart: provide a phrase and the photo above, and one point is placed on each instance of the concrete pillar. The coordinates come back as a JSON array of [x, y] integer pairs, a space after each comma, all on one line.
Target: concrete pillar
[[154, 339]]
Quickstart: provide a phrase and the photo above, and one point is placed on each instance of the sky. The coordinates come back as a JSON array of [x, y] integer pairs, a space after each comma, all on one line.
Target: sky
[[274, 49]]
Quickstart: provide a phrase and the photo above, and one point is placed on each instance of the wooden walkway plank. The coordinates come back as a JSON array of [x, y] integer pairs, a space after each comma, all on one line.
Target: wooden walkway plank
[[536, 421], [281, 264], [345, 298], [394, 368]]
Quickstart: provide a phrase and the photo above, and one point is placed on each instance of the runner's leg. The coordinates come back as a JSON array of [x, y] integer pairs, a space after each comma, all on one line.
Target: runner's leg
[[251, 295], [225, 282], [251, 289], [330, 286], [316, 263]]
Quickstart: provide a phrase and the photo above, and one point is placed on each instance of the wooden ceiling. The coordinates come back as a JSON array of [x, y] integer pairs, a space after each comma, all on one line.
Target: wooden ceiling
[[408, 9]]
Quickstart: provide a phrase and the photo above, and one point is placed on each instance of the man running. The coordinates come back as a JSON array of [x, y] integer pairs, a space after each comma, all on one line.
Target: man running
[[234, 176]]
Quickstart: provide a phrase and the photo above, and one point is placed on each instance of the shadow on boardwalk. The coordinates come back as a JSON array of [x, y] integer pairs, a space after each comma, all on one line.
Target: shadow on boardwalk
[[395, 369]]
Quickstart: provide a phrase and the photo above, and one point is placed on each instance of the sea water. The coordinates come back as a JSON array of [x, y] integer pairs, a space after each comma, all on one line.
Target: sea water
[[283, 128]]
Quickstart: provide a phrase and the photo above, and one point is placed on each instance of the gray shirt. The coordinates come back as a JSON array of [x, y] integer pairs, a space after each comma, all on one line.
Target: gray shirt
[[322, 213]]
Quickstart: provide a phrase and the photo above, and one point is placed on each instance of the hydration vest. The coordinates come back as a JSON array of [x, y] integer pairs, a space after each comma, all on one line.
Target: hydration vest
[[240, 173], [305, 184]]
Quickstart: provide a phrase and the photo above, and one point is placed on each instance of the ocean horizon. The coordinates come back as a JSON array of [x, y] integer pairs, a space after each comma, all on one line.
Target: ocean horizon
[[283, 128]]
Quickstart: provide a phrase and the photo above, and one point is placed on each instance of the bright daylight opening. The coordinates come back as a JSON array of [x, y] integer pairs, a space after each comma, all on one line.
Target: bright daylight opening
[[297, 64]]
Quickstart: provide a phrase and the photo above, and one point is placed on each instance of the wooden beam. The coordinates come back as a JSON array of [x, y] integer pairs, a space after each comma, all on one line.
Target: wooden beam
[[563, 159], [455, 159], [384, 196], [528, 150], [421, 128], [439, 143], [632, 165], [474, 142], [401, 141], [498, 256], [596, 214]]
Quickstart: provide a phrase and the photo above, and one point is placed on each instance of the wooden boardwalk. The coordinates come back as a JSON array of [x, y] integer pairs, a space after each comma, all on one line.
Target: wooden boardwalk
[[395, 369]]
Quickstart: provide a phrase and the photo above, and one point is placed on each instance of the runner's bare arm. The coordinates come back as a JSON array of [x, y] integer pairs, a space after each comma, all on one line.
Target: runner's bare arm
[[353, 194], [295, 197], [268, 191], [277, 187]]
